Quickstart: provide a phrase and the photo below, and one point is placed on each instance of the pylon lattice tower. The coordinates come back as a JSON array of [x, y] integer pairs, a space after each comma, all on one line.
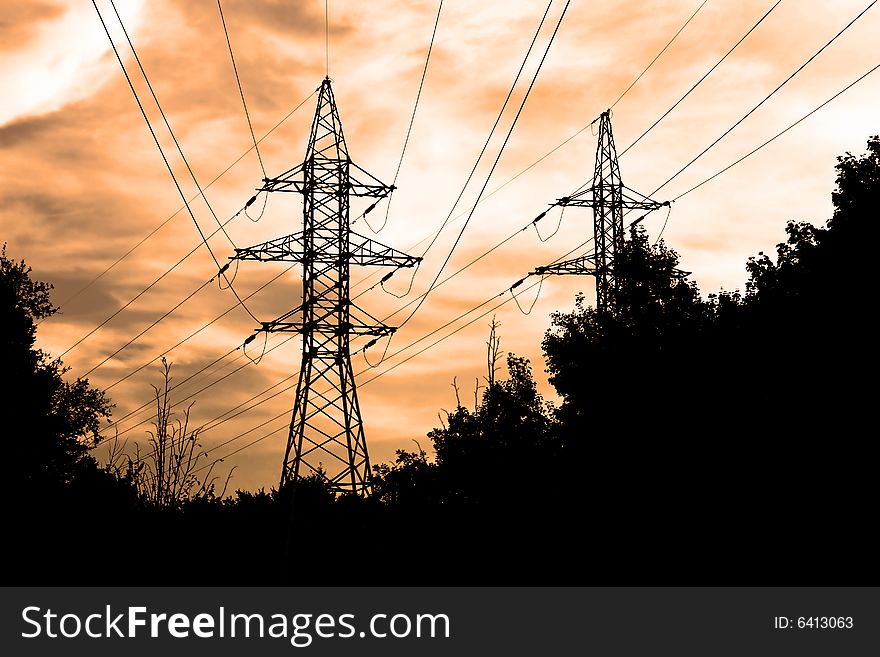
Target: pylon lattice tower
[[608, 197], [326, 430]]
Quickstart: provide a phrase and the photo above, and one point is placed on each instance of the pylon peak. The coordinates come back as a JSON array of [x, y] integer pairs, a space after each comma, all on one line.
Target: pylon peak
[[608, 197]]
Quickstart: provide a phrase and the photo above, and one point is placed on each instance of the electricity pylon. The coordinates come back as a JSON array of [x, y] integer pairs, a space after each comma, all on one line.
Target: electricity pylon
[[608, 197], [326, 430]]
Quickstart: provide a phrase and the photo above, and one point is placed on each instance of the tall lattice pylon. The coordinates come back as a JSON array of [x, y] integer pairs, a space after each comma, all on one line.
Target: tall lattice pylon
[[326, 430], [608, 197]]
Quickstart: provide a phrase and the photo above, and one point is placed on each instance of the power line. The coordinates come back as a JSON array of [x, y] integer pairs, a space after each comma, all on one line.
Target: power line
[[770, 95], [212, 423], [689, 91], [706, 75], [421, 351], [380, 374], [483, 255], [435, 26], [192, 174], [835, 96], [402, 308], [251, 444], [279, 344], [557, 147], [174, 138], [862, 77], [159, 145], [542, 60], [217, 420], [659, 54], [584, 128], [497, 158], [460, 328], [456, 319], [182, 207], [570, 138], [412, 118], [780, 133], [491, 132], [147, 404], [566, 141], [472, 262], [253, 136], [197, 331], [189, 378], [240, 89], [165, 316], [287, 412], [231, 414], [139, 294], [791, 126], [327, 36], [282, 342], [141, 334]]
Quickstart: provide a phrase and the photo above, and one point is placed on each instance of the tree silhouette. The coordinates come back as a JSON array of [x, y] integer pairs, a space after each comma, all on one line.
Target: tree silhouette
[[508, 431], [476, 450], [62, 503], [600, 361], [50, 422], [807, 310], [698, 439], [736, 419]]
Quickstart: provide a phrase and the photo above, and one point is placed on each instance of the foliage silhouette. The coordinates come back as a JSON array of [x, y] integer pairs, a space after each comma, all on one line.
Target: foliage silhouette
[[166, 474], [56, 489], [740, 419], [50, 420], [718, 439]]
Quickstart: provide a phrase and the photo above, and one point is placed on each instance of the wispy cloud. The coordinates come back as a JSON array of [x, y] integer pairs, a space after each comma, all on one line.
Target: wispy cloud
[[81, 181]]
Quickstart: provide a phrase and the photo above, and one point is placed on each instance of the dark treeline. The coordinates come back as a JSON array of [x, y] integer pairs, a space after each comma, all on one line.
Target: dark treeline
[[721, 440]]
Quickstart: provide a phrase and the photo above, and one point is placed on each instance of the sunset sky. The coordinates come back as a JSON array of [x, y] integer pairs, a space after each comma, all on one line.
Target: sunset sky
[[82, 181]]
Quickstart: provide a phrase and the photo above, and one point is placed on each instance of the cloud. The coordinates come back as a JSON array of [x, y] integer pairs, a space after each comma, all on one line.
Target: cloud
[[81, 181], [21, 22], [57, 58], [300, 19]]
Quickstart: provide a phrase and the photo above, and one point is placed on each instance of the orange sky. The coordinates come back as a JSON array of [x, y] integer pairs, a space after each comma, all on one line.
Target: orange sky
[[82, 181]]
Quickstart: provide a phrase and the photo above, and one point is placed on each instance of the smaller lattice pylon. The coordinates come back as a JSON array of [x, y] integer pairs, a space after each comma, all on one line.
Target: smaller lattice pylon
[[609, 198]]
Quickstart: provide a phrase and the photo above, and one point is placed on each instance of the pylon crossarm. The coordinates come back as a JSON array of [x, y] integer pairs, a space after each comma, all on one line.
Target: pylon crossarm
[[285, 182], [367, 251], [628, 200], [269, 327], [363, 183], [355, 188], [580, 265], [289, 248], [292, 248], [349, 329], [361, 317], [633, 200], [582, 199], [357, 326]]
